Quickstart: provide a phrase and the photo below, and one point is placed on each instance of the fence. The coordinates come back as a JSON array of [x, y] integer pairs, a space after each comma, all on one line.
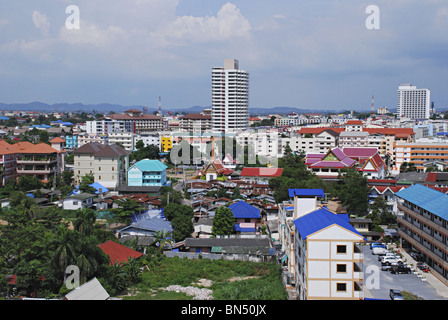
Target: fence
[[216, 256]]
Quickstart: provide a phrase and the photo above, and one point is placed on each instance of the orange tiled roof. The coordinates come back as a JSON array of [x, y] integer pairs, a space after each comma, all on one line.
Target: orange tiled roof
[[57, 140]]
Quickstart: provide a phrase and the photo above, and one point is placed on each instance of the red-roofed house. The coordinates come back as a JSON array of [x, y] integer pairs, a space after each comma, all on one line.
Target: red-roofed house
[[118, 253], [353, 125], [257, 174]]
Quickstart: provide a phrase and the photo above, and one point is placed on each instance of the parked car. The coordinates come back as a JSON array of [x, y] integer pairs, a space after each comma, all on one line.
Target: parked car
[[417, 256], [395, 294], [391, 259], [387, 254], [386, 267], [377, 245], [400, 268], [379, 251], [423, 266]]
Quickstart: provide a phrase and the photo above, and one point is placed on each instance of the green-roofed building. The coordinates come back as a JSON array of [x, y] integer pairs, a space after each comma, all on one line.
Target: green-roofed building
[[147, 173]]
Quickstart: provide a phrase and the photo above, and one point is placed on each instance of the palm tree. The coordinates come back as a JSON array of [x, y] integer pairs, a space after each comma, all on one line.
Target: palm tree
[[85, 219], [161, 239], [65, 253], [89, 258]]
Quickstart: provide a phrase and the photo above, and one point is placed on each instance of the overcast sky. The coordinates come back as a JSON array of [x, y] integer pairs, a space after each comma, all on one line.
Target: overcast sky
[[315, 54]]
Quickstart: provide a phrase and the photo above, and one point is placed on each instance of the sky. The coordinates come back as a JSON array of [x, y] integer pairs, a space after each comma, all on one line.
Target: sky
[[311, 54]]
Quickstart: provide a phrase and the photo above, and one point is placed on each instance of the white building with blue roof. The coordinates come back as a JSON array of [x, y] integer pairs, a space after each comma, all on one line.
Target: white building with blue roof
[[328, 261], [325, 260], [248, 218], [423, 226]]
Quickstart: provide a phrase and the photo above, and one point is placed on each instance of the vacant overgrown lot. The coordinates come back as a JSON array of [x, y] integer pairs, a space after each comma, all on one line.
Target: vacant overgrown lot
[[230, 280]]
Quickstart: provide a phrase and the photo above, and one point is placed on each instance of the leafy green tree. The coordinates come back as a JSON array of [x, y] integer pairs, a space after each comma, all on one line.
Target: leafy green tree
[[408, 167], [27, 183], [127, 207], [182, 227], [380, 212], [86, 181], [223, 221], [353, 190]]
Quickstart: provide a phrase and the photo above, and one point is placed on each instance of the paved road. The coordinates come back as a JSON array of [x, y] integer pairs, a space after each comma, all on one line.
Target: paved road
[[387, 281]]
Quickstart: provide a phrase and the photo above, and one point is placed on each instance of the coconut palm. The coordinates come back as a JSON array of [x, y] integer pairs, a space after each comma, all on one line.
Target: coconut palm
[[85, 220]]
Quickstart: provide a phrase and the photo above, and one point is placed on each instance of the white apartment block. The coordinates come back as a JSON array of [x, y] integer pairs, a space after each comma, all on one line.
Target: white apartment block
[[353, 139], [132, 120], [319, 143], [327, 258], [230, 98], [413, 103], [85, 138], [264, 143]]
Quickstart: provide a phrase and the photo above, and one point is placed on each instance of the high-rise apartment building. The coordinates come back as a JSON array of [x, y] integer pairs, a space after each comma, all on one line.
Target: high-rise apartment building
[[412, 102], [230, 98]]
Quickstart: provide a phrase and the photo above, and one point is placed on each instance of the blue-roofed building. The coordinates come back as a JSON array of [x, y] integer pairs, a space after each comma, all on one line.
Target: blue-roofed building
[[423, 226], [147, 173], [147, 227], [248, 218], [327, 257], [302, 202], [319, 252]]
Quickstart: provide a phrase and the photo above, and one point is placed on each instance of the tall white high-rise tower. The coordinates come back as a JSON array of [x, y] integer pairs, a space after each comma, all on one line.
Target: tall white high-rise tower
[[412, 102], [230, 98]]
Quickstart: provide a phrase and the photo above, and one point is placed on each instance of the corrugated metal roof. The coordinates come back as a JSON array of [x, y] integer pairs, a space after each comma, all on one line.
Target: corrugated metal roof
[[320, 219], [150, 165], [429, 199], [306, 192], [91, 290], [242, 209]]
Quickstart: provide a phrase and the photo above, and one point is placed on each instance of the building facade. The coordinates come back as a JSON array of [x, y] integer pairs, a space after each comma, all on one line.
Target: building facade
[[423, 226], [230, 97], [413, 103], [108, 164], [147, 173], [328, 259]]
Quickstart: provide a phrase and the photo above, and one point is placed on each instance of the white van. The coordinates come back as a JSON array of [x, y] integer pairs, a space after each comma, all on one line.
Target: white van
[[391, 259]]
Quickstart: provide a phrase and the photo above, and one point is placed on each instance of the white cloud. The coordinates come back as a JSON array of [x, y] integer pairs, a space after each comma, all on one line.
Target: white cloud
[[41, 22], [91, 34], [228, 23]]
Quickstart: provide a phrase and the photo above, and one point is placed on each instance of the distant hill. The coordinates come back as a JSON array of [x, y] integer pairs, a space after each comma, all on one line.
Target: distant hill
[[107, 107]]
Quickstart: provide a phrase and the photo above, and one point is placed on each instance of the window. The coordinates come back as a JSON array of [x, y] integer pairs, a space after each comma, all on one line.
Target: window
[[75, 203], [99, 168], [341, 249], [341, 287], [341, 268]]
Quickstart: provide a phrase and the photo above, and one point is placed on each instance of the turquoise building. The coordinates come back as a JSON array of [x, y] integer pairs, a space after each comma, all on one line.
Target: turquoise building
[[147, 173], [71, 142]]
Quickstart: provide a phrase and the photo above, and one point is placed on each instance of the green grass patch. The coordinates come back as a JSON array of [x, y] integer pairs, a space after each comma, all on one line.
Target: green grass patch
[[410, 296], [184, 272]]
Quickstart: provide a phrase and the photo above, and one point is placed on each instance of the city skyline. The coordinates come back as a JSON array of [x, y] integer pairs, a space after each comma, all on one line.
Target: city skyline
[[310, 55]]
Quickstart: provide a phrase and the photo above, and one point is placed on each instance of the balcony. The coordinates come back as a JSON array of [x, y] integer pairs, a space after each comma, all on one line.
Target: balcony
[[35, 160]]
